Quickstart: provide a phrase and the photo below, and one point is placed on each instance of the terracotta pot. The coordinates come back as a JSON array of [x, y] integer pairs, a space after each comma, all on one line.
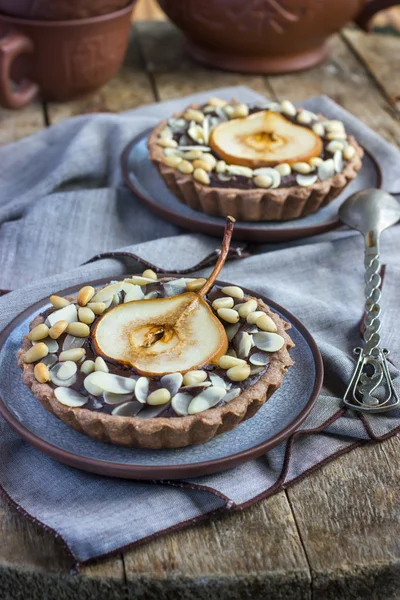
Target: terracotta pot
[[60, 10], [59, 60], [265, 36]]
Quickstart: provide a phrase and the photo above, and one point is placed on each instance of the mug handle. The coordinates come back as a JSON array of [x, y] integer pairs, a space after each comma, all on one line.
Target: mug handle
[[11, 46], [363, 20]]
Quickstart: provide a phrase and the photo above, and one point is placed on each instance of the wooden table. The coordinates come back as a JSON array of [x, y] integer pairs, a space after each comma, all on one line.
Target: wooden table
[[334, 535]]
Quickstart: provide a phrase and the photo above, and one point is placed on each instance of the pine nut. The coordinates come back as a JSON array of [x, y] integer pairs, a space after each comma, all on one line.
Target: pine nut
[[336, 135], [227, 362], [234, 291], [316, 161], [201, 176], [319, 129], [252, 317], [228, 314], [263, 181], [217, 102], [226, 302], [193, 154], [247, 308], [193, 114], [265, 323], [58, 329], [101, 365], [167, 143], [228, 110], [37, 352], [59, 302], [304, 117], [193, 377], [335, 126], [97, 307], [221, 166], [166, 133], [185, 167], [150, 274], [85, 294], [41, 373], [38, 333], [87, 367], [197, 284], [86, 315], [240, 110], [288, 108], [78, 329], [160, 396], [283, 169], [171, 161], [302, 167], [349, 152], [75, 354], [334, 146], [239, 373], [202, 164], [210, 159]]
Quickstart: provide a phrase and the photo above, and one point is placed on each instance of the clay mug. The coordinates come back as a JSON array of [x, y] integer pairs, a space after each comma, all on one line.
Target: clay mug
[[59, 60], [266, 36], [59, 10]]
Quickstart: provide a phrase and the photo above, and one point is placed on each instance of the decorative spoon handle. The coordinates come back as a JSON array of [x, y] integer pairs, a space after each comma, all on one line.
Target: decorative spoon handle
[[372, 296], [371, 387]]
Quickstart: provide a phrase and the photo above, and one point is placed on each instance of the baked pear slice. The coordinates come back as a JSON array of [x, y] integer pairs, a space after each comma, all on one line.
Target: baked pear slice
[[166, 335], [264, 139]]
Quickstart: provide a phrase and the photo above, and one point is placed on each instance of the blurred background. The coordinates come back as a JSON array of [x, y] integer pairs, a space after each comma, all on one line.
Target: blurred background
[[387, 21]]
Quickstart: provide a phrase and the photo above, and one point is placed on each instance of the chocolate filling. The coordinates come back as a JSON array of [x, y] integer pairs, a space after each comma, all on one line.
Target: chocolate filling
[[239, 181], [97, 403]]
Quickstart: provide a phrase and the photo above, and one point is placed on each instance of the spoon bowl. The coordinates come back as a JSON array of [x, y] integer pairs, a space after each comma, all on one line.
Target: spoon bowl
[[370, 210]]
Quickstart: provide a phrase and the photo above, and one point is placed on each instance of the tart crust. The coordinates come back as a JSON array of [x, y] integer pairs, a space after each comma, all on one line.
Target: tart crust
[[163, 432], [280, 204]]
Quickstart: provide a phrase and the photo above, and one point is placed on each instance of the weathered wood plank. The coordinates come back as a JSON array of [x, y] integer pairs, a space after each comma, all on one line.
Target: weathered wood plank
[[253, 554], [348, 515], [131, 87], [174, 73], [345, 80], [32, 559], [16, 124], [381, 56]]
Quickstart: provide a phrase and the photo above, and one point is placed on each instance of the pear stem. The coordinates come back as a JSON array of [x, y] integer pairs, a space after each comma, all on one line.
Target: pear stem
[[226, 242]]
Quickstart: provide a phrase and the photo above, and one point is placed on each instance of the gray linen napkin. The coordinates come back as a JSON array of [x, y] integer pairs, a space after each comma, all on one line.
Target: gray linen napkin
[[61, 202]]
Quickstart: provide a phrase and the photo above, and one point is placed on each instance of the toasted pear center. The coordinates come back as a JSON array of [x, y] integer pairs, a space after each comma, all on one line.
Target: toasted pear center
[[264, 139], [162, 335]]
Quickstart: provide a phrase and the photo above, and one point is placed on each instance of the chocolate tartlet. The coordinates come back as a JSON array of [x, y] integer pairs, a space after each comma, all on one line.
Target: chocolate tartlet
[[257, 163], [156, 363]]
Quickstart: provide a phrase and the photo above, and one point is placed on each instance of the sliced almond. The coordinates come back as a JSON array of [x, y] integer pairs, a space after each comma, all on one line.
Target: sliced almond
[[180, 403], [109, 382], [270, 342], [69, 397], [67, 370], [68, 313], [206, 399]]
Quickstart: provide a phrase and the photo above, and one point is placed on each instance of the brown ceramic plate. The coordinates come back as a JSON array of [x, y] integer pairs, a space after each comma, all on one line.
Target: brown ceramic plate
[[143, 179], [273, 423]]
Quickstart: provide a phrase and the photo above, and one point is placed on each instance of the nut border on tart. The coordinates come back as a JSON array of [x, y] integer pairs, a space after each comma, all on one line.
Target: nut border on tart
[[111, 399], [186, 151]]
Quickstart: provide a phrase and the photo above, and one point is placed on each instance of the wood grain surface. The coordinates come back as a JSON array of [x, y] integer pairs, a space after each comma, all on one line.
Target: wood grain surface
[[334, 535]]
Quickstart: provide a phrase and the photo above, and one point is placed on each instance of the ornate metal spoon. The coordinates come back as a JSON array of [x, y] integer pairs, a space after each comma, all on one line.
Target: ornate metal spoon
[[371, 388]]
